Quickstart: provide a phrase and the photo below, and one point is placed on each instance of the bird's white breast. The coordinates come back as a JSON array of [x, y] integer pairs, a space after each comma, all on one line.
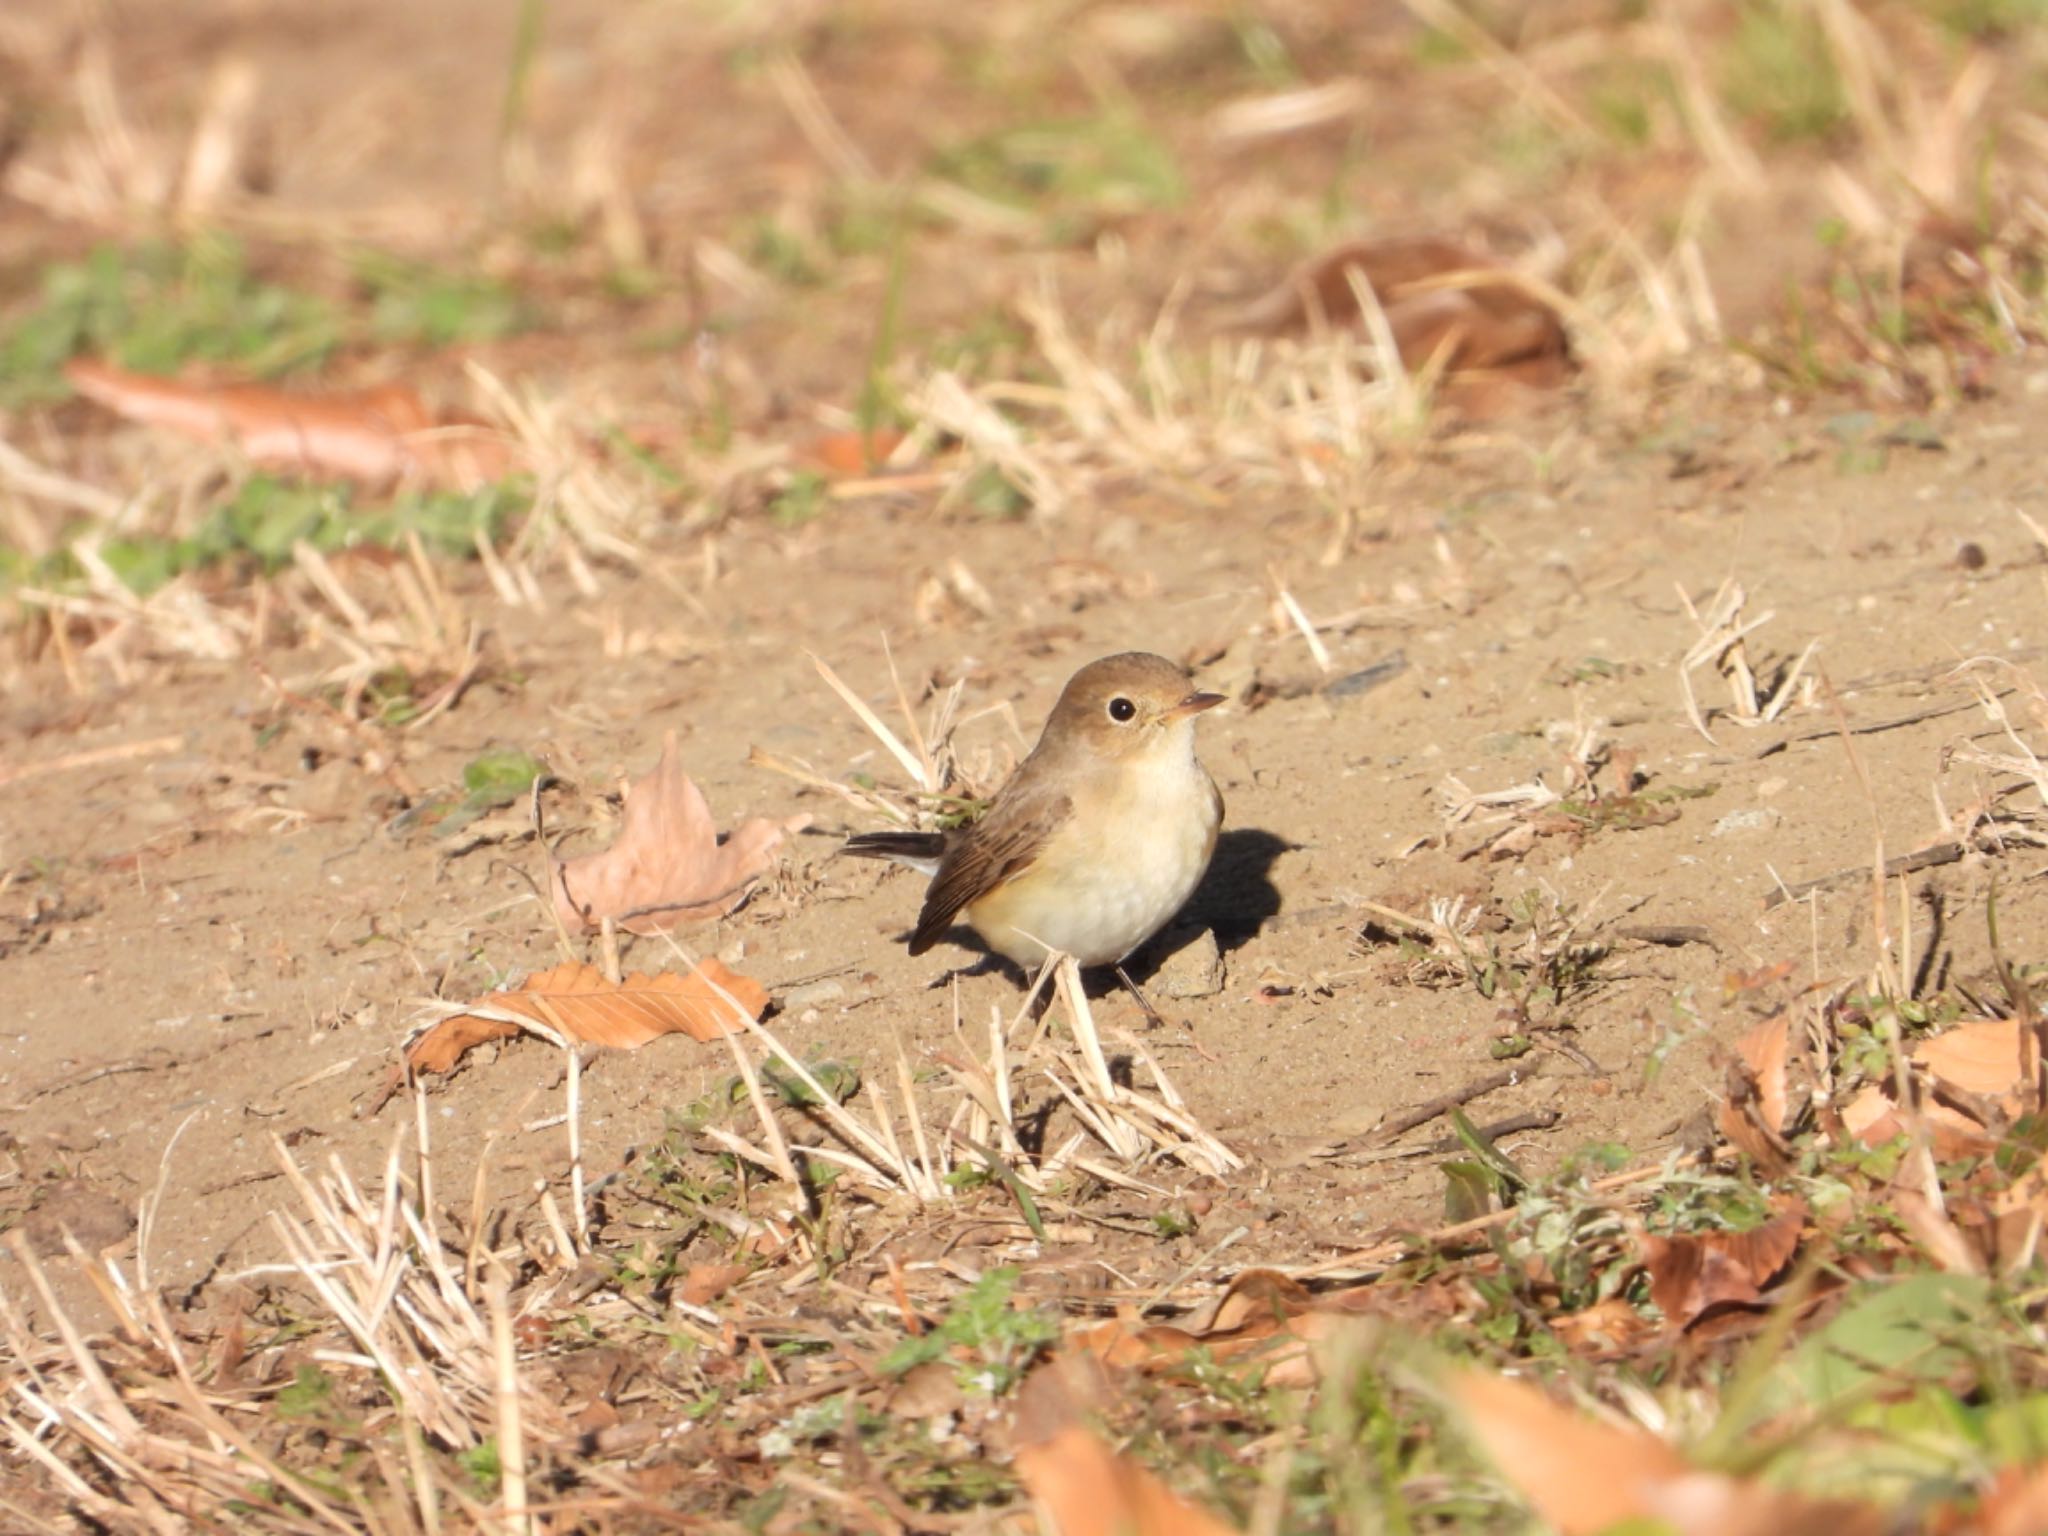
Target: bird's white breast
[[1121, 866]]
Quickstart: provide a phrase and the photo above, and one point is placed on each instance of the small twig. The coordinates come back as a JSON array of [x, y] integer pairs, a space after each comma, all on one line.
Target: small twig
[[1493, 1130], [1904, 864], [1871, 729], [155, 746], [1423, 1113], [1671, 935]]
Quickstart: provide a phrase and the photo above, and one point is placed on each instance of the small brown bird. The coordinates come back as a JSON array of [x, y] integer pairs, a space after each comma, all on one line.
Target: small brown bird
[[1095, 842]]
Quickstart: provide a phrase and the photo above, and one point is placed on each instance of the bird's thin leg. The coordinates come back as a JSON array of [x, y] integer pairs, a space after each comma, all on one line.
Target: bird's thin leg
[[1144, 1003]]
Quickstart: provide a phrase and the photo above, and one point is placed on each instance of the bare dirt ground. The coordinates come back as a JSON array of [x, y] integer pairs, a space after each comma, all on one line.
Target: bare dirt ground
[[216, 922], [192, 959]]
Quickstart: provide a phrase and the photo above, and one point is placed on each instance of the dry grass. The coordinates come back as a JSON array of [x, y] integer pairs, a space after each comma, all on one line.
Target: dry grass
[[439, 1335]]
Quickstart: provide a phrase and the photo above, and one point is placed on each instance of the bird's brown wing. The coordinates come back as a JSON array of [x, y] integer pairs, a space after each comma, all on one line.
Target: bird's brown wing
[[980, 857]]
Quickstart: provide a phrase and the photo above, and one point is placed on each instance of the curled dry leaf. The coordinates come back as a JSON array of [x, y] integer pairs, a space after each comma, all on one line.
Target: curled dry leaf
[[1698, 1271], [1585, 1476], [1082, 1486], [1267, 1314], [1938, 1233], [1445, 306], [1984, 1068], [377, 437], [667, 866], [1606, 1330], [1757, 1111], [577, 1001], [2016, 1504], [1580, 1473], [705, 1283], [1987, 1059], [845, 455]]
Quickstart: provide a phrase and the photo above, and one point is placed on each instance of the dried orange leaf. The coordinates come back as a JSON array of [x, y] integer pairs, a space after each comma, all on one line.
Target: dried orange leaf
[[1763, 1051], [843, 455], [2016, 1504], [1607, 1328], [1258, 1296], [1081, 1485], [1581, 1474], [576, 1000], [1584, 1476], [1758, 1108], [667, 866], [705, 1283], [1936, 1231], [1871, 1117], [1982, 1058], [1444, 305], [1691, 1273], [377, 436]]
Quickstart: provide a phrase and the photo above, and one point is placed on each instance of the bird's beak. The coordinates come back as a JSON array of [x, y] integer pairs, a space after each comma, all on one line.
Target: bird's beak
[[1194, 704]]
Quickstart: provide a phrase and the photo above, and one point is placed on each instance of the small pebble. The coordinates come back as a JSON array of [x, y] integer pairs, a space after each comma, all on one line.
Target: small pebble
[[1195, 969], [813, 995], [1758, 820]]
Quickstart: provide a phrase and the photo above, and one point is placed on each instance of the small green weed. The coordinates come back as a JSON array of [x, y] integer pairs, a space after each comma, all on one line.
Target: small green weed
[[493, 778], [158, 308], [266, 517], [162, 307], [1780, 73], [414, 303], [805, 496], [1077, 172], [996, 1339], [1633, 811]]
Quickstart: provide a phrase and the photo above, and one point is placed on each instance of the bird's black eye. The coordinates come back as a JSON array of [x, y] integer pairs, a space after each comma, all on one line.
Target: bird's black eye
[[1122, 710]]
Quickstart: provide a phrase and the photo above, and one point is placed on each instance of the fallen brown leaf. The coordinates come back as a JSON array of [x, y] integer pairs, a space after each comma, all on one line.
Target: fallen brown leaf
[[1758, 1108], [1580, 1473], [1444, 305], [1983, 1063], [1984, 1058], [1269, 1314], [1086, 1489], [377, 436], [1874, 1118], [576, 1000], [1692, 1273], [1584, 1475], [1937, 1232], [1605, 1330], [844, 455], [667, 867], [2016, 1505], [1081, 1485], [705, 1283]]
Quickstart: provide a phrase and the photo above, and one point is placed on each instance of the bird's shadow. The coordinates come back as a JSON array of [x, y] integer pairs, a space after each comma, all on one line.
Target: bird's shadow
[[1236, 897]]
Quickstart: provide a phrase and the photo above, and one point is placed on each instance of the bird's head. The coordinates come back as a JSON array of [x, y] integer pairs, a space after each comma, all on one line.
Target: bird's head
[[1128, 705]]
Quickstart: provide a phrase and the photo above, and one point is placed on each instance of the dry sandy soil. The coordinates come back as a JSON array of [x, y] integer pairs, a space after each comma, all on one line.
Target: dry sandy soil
[[219, 938]]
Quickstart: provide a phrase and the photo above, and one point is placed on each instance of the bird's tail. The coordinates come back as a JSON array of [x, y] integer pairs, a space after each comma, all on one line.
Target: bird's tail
[[913, 850]]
